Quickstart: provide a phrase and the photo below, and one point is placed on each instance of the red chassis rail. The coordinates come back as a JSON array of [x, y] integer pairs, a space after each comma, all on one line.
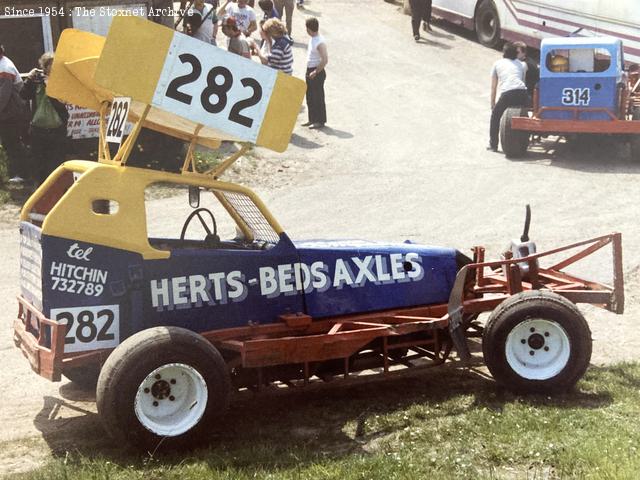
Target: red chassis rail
[[540, 125], [430, 331], [617, 124]]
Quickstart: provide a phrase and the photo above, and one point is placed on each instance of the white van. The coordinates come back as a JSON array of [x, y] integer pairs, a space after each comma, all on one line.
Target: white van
[[533, 20]]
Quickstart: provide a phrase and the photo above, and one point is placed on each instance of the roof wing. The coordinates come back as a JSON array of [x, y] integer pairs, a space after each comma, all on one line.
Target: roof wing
[[146, 62]]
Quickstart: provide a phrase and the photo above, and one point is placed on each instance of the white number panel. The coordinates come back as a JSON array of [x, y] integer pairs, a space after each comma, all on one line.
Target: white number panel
[[118, 119], [215, 88], [577, 97], [89, 328]]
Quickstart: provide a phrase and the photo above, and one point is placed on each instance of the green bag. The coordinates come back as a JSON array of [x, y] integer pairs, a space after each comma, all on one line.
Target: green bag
[[45, 115]]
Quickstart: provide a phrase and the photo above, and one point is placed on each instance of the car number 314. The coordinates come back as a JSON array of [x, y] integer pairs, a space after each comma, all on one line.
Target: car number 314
[[89, 328], [579, 97]]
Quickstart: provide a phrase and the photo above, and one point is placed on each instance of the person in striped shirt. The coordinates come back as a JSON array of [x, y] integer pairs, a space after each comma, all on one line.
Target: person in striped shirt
[[279, 52]]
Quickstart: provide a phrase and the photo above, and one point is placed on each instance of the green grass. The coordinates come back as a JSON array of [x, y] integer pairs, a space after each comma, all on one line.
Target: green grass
[[207, 159], [4, 194], [438, 424]]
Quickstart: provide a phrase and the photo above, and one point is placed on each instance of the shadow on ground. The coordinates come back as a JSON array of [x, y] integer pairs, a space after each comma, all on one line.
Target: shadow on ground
[[583, 153], [451, 31], [333, 132], [281, 427], [432, 43], [303, 142]]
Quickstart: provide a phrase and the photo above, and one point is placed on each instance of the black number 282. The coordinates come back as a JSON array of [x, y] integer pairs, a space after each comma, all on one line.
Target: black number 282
[[119, 113], [86, 330], [214, 88]]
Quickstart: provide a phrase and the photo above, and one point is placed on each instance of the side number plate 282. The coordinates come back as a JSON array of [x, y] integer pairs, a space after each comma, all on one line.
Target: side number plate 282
[[89, 328]]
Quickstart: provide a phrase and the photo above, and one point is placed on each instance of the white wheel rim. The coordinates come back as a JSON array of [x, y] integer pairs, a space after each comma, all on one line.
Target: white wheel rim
[[171, 400], [538, 349]]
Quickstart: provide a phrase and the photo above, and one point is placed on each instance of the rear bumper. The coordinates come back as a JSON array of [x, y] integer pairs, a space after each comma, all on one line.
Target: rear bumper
[[539, 125], [41, 341], [32, 331]]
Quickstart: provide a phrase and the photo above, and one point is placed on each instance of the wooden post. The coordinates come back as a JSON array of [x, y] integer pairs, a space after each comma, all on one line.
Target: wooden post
[[618, 275]]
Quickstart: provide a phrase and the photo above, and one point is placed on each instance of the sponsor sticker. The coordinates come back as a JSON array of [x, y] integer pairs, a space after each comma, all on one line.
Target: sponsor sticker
[[220, 288]]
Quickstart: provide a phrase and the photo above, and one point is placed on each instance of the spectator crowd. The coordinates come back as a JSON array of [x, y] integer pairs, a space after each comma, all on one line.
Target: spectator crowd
[[240, 20], [33, 126]]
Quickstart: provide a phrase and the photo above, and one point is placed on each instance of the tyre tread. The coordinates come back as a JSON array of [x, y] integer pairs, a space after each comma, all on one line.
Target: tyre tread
[[514, 143]]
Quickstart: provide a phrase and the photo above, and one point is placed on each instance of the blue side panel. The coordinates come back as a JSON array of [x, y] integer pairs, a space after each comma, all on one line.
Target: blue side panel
[[355, 276], [581, 92], [105, 295], [83, 274], [94, 289], [210, 289]]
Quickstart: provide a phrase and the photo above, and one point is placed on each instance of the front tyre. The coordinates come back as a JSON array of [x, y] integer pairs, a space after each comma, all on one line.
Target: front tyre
[[537, 342], [163, 386], [487, 23]]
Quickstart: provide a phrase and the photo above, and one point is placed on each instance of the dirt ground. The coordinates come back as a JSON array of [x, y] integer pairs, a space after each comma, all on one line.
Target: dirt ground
[[403, 157]]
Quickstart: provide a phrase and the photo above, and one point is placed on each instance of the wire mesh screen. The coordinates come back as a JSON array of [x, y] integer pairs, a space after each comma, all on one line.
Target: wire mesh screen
[[253, 217]]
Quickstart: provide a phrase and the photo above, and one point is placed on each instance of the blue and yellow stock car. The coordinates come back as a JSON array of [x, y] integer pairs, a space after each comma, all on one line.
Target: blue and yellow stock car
[[169, 321]]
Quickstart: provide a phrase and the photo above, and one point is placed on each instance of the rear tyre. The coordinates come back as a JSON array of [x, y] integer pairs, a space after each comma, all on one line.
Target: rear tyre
[[537, 342], [487, 23], [514, 142], [635, 139], [163, 386]]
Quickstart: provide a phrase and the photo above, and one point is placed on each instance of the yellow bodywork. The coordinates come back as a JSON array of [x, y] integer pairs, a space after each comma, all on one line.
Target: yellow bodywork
[[73, 216], [89, 71], [72, 81]]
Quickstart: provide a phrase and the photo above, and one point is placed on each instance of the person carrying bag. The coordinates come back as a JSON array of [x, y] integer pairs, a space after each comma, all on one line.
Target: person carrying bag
[[48, 123]]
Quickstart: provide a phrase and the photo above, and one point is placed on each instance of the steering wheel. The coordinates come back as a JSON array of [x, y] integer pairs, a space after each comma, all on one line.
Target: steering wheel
[[211, 238]]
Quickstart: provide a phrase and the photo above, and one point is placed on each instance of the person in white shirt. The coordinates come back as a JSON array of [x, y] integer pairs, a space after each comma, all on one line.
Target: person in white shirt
[[245, 15], [208, 21], [12, 118], [507, 78], [317, 59]]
